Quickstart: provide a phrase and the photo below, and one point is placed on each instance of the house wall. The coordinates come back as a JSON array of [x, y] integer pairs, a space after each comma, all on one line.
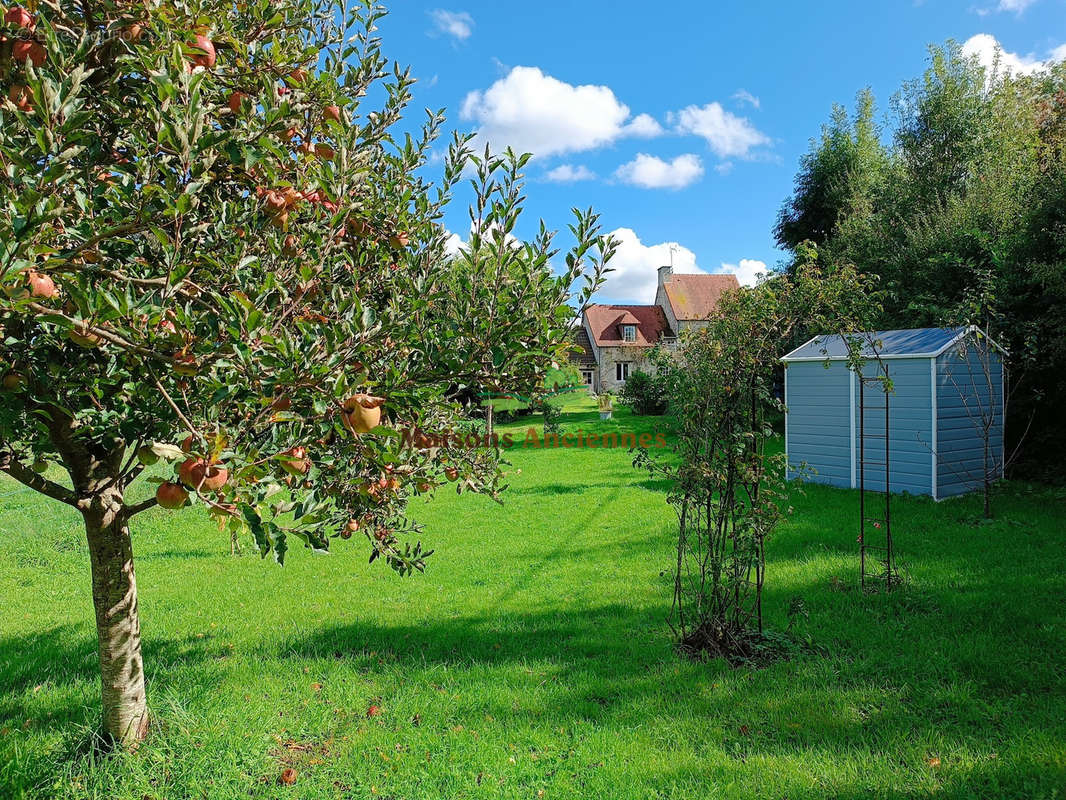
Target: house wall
[[823, 425], [969, 387], [607, 357], [663, 302]]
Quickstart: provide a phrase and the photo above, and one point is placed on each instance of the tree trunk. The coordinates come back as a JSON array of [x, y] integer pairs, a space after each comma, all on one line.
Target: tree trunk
[[488, 420], [125, 711]]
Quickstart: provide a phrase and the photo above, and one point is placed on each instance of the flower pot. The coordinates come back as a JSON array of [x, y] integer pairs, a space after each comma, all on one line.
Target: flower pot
[[605, 415]]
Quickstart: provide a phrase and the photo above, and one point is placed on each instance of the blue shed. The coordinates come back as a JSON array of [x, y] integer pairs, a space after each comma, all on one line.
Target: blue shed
[[947, 386]]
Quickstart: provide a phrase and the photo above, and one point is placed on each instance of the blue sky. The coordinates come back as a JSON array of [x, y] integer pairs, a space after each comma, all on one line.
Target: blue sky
[[681, 122]]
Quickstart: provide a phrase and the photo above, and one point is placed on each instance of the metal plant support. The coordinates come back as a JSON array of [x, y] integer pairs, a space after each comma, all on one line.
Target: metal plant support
[[876, 558]]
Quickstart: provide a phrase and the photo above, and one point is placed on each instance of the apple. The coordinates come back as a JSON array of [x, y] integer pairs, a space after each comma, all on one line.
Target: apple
[[381, 534], [12, 382], [171, 495], [27, 50], [147, 456], [282, 402], [324, 152], [21, 97], [187, 443], [295, 461], [361, 413], [289, 248], [83, 336], [451, 473], [206, 52], [373, 711], [184, 364], [235, 100], [20, 18], [298, 75], [42, 286], [39, 466], [198, 473], [424, 486], [133, 32], [332, 112]]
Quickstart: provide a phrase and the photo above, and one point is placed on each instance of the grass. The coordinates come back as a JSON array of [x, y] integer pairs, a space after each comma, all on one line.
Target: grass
[[533, 659]]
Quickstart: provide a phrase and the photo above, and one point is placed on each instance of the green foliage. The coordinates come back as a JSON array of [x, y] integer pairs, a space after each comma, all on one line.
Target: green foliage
[[645, 394], [968, 198]]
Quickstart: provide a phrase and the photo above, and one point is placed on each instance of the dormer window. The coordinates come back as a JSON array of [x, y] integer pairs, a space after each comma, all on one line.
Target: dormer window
[[629, 333]]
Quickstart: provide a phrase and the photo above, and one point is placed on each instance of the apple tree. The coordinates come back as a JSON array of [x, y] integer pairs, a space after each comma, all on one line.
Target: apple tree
[[223, 276]]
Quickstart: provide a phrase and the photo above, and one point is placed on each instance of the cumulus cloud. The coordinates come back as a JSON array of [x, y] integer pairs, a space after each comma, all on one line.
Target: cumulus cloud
[[748, 271], [728, 135], [744, 96], [636, 265], [651, 172], [986, 48], [536, 113], [568, 173], [457, 24]]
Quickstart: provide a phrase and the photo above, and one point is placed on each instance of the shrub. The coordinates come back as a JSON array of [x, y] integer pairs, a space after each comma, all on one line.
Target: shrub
[[644, 394]]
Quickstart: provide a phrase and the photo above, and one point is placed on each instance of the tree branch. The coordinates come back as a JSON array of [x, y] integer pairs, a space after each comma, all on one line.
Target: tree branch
[[39, 483], [137, 508]]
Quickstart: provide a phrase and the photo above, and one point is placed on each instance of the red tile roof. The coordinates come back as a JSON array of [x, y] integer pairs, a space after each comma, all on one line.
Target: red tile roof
[[605, 324], [695, 297]]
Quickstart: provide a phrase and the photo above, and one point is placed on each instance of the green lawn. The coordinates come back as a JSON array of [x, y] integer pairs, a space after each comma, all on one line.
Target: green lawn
[[533, 658]]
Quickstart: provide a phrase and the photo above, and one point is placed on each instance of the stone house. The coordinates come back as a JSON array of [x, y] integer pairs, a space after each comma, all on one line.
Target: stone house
[[614, 340]]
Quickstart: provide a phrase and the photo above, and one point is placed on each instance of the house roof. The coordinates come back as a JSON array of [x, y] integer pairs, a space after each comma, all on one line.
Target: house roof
[[909, 343], [695, 297], [582, 352], [604, 324]]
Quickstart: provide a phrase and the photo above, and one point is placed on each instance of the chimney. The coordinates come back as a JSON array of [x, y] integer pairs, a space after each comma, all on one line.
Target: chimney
[[664, 273]]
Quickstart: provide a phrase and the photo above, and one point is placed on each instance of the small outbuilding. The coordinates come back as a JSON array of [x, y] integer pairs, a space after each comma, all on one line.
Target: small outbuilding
[[947, 390]]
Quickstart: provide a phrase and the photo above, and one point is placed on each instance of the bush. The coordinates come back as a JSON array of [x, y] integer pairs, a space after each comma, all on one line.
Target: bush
[[644, 394]]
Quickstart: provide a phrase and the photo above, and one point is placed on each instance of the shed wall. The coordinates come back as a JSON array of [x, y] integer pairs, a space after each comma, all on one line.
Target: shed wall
[[818, 430], [969, 392]]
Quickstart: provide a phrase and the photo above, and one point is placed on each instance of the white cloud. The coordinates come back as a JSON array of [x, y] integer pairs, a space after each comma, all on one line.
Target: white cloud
[[651, 172], [747, 271], [645, 126], [636, 266], [536, 113], [744, 96], [568, 173], [458, 24], [453, 244], [728, 135], [985, 48], [1017, 6]]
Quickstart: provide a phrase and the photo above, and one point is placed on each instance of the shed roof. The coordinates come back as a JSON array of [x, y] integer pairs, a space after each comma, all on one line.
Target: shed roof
[[909, 343]]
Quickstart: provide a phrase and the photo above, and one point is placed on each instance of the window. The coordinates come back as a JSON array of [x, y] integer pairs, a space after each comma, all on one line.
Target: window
[[621, 370], [586, 376], [629, 333]]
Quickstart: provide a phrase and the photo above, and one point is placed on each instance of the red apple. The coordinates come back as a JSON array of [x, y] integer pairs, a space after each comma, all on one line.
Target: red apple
[[373, 711], [235, 100], [295, 461], [324, 152], [26, 50], [41, 286], [197, 473], [21, 97], [171, 495], [451, 473], [332, 112], [203, 52], [20, 18], [184, 364]]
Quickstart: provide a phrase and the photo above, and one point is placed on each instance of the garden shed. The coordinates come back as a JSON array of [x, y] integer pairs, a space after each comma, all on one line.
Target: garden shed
[[947, 391]]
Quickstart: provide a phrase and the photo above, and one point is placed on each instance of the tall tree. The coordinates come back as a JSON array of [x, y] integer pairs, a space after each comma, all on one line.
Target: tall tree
[[215, 252]]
